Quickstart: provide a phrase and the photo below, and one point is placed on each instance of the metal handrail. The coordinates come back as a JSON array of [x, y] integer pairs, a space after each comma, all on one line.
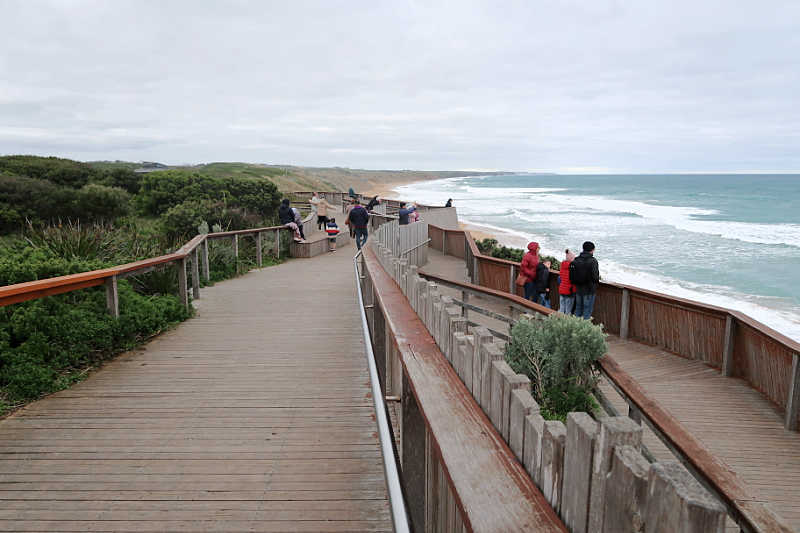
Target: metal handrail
[[414, 248], [396, 500]]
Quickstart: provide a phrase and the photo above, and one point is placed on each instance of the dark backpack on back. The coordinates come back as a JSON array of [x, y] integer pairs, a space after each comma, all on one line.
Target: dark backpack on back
[[579, 271]]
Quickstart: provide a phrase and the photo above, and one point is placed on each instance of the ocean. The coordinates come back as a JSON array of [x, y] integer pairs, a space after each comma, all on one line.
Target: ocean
[[731, 240]]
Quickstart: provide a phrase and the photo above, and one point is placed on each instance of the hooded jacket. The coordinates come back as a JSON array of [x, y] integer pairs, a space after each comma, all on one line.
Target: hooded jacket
[[530, 261], [565, 288], [285, 214]]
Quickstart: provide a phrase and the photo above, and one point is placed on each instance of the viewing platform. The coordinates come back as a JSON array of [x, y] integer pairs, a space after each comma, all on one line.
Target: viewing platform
[[259, 413]]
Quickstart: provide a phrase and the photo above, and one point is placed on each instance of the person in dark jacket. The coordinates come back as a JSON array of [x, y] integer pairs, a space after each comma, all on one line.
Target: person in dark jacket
[[286, 217], [359, 220], [528, 269], [542, 283], [584, 273], [449, 203], [404, 212], [372, 203]]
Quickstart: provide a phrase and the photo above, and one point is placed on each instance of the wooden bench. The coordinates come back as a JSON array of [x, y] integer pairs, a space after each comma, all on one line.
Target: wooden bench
[[317, 244]]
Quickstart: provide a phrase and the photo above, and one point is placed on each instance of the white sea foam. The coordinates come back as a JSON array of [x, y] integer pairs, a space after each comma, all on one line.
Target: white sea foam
[[541, 200], [508, 212], [778, 313]]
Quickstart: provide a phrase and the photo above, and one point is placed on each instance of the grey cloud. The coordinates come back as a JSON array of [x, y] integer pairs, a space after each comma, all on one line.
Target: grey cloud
[[519, 85]]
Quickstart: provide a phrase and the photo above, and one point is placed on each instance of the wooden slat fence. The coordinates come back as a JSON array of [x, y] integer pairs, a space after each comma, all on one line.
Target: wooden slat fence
[[728, 340], [470, 365]]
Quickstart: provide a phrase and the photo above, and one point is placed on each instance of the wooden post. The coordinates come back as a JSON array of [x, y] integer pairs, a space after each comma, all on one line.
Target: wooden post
[[793, 402], [277, 245], [444, 242], [259, 257], [195, 274], [727, 354], [465, 299], [206, 269], [511, 279], [236, 247], [579, 451], [413, 471], [476, 278], [625, 315], [677, 503], [532, 447], [553, 440], [522, 404], [614, 431], [182, 288], [112, 296], [626, 499]]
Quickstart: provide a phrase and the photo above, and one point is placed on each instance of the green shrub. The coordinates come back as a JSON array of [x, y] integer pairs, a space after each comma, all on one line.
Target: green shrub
[[58, 171], [558, 354], [492, 248], [100, 202], [163, 190], [48, 343]]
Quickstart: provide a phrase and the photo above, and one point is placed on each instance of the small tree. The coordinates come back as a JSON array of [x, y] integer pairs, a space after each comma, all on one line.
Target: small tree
[[558, 354]]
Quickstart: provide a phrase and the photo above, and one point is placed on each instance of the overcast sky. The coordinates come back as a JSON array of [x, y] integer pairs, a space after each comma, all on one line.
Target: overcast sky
[[667, 85]]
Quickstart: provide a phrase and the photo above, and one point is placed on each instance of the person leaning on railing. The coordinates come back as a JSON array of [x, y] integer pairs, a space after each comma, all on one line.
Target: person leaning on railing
[[404, 212], [584, 273]]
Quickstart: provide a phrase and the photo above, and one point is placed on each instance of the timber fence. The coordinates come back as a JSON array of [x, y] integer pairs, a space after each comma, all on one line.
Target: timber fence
[[191, 261], [593, 472], [727, 340]]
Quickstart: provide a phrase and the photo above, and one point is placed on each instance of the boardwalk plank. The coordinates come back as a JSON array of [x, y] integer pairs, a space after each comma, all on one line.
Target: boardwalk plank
[[253, 416]]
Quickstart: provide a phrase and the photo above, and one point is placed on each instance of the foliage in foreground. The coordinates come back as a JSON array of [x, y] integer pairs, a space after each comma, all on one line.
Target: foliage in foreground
[[492, 248], [558, 353]]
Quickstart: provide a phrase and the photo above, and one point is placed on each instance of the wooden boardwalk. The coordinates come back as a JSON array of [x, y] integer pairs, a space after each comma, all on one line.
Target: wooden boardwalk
[[734, 421], [254, 416]]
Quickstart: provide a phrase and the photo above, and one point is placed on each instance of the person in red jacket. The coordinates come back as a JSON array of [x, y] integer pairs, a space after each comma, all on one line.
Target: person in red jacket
[[566, 290], [528, 269]]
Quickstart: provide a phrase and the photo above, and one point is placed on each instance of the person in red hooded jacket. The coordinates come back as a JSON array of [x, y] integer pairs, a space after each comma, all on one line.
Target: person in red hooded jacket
[[566, 290], [528, 269]]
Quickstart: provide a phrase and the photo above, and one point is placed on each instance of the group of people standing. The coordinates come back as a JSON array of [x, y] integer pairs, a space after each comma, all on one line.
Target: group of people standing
[[579, 278]]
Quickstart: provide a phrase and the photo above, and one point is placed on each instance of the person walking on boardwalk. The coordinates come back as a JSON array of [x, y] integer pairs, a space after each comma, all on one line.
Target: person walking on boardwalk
[[322, 213], [332, 230], [286, 217], [528, 269], [584, 273], [359, 220], [566, 290]]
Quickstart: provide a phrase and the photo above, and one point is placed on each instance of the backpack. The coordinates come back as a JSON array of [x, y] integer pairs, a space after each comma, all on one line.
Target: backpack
[[580, 271]]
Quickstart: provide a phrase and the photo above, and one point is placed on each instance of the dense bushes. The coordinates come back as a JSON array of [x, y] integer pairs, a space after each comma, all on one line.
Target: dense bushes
[[46, 344], [492, 248], [557, 353], [24, 199]]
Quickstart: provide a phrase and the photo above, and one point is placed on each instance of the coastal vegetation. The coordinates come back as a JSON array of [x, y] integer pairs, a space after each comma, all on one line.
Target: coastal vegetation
[[60, 217], [493, 248], [558, 354]]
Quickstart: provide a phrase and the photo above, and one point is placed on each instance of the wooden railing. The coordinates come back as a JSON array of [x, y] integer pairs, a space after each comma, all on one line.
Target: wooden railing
[[458, 473], [728, 340], [742, 506], [194, 253]]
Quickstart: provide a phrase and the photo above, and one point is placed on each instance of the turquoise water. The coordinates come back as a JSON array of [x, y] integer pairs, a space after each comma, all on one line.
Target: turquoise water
[[731, 240]]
